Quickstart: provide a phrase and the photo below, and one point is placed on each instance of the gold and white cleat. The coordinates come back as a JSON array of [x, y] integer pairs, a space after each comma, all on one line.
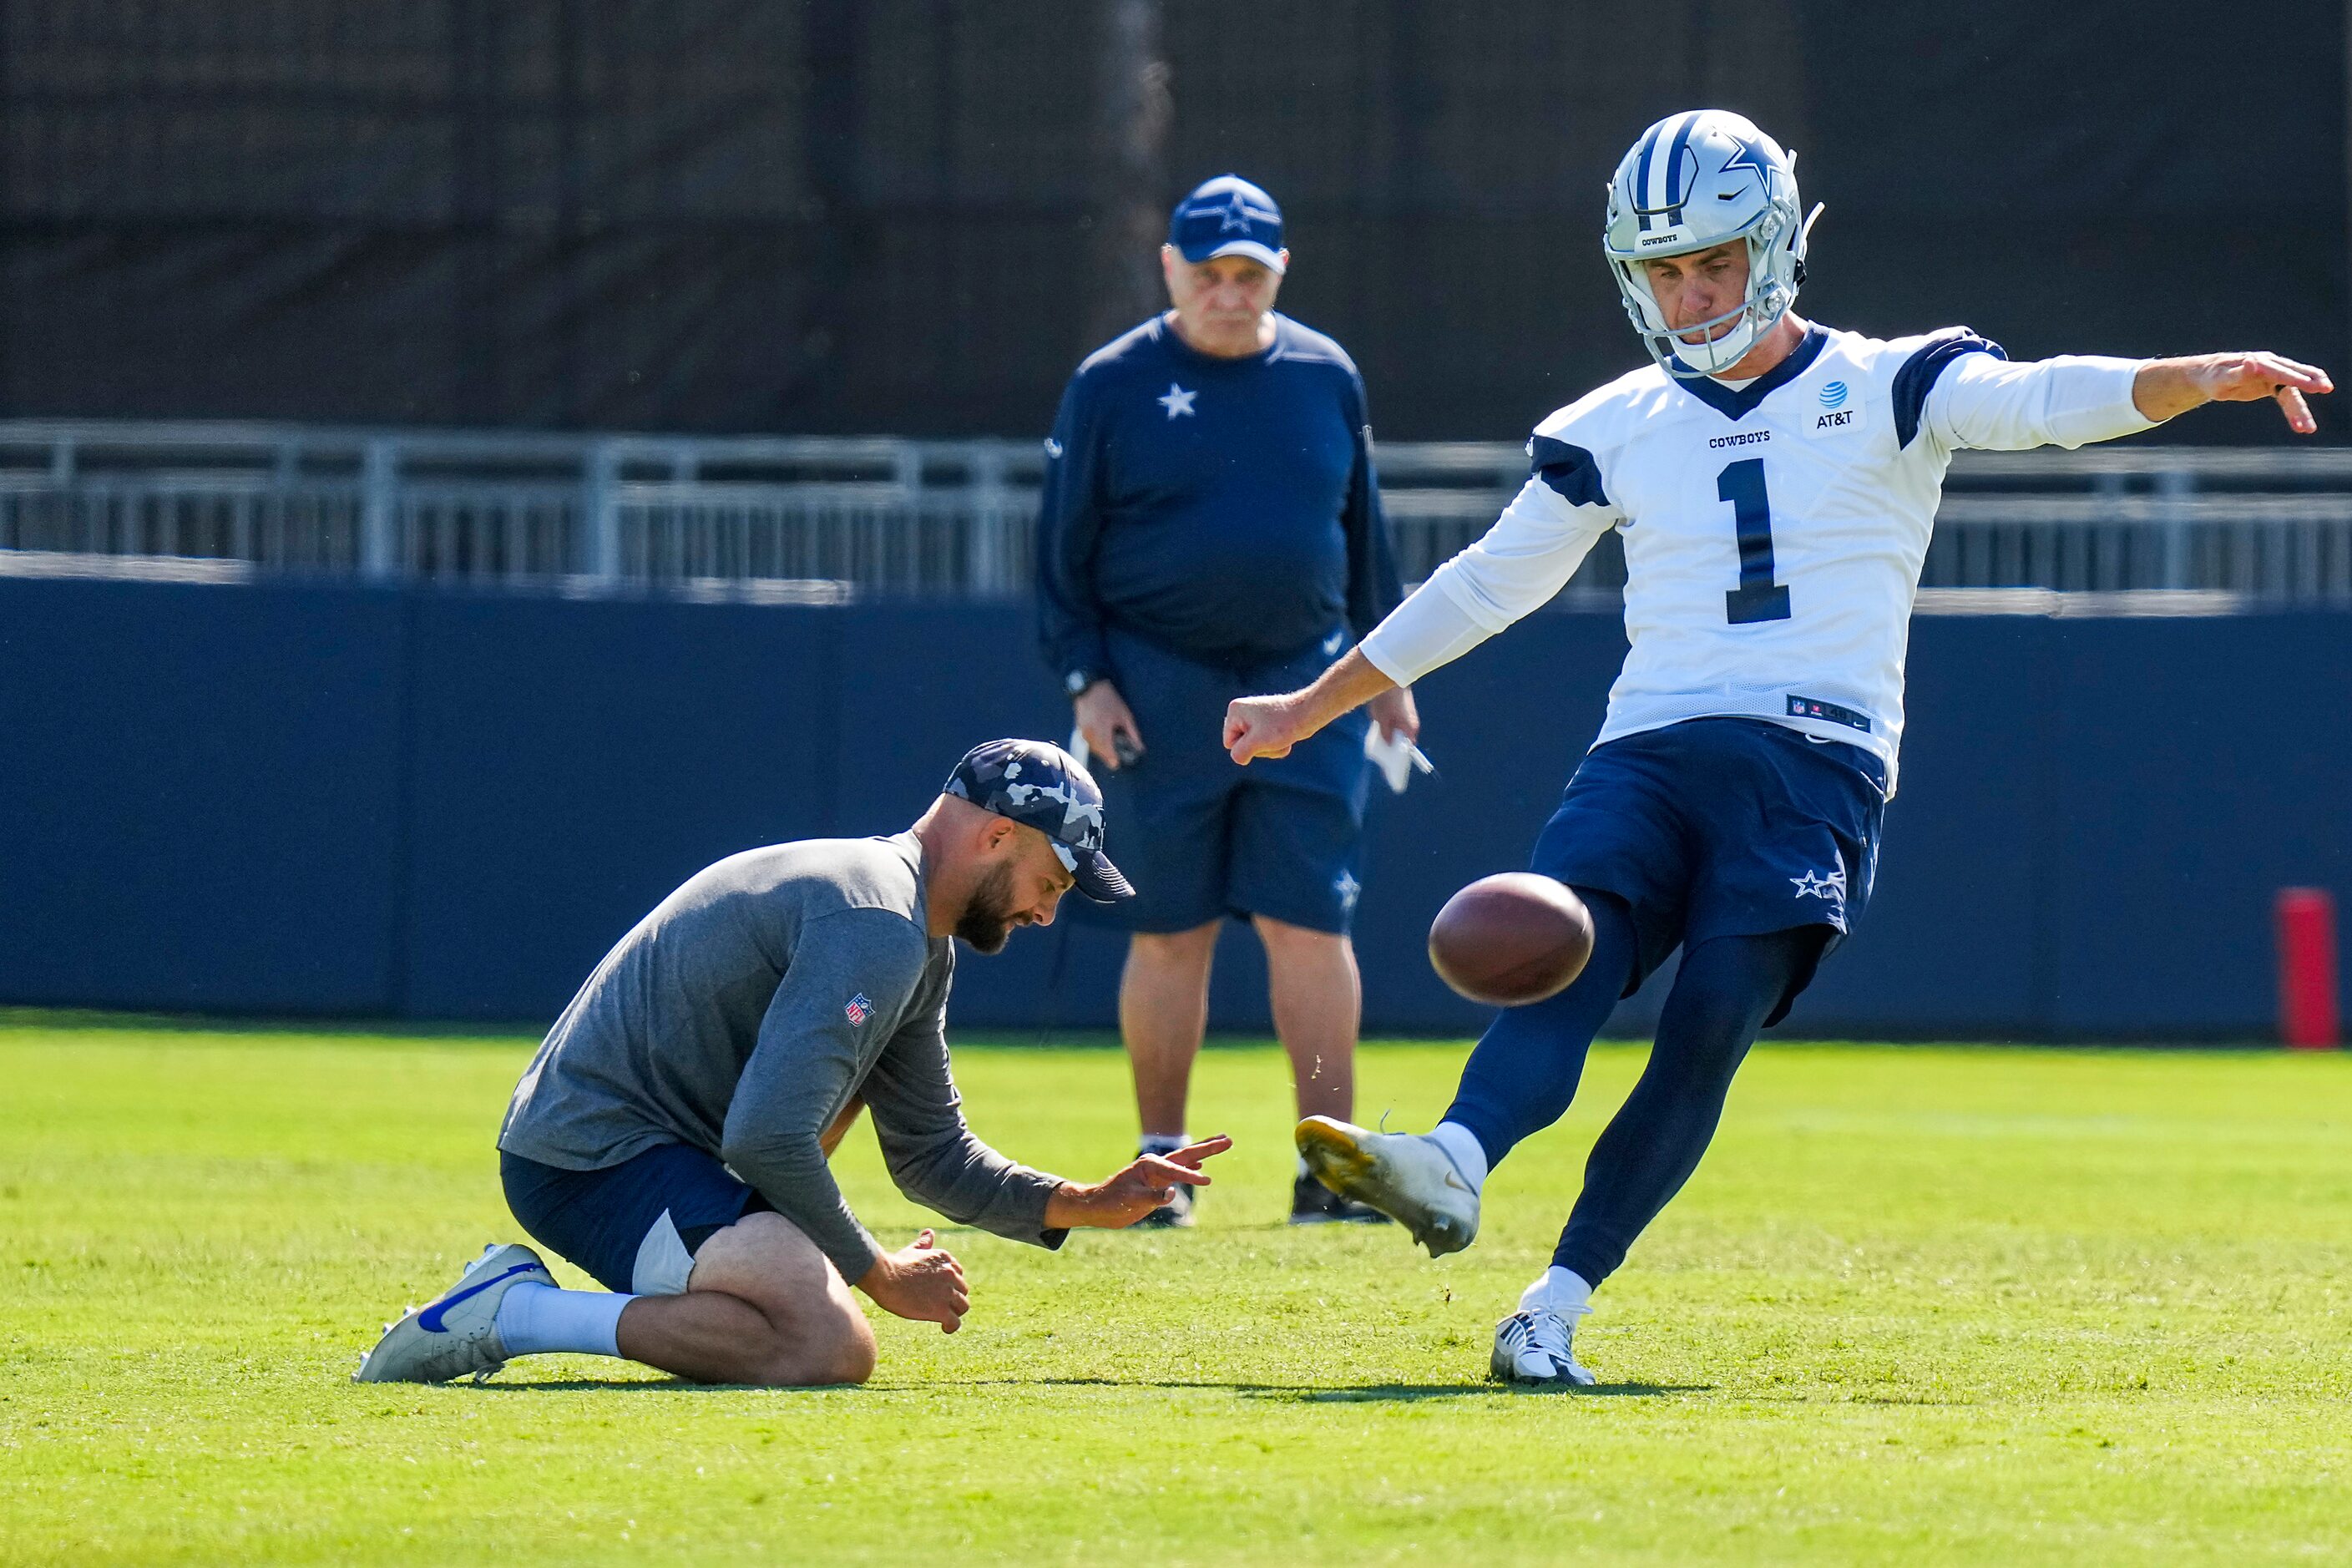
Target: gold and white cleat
[[1404, 1175]]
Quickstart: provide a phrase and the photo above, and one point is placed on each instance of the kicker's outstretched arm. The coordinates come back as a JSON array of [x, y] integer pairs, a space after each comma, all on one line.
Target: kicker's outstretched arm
[[1985, 402]]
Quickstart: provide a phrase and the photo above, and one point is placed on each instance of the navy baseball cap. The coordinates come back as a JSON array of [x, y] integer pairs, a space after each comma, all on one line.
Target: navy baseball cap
[[1045, 787], [1227, 216]]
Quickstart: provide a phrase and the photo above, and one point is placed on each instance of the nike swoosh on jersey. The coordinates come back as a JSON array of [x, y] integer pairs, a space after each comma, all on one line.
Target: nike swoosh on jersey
[[431, 1318]]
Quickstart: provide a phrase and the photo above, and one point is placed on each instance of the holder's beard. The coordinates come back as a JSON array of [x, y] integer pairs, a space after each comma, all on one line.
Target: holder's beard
[[987, 922]]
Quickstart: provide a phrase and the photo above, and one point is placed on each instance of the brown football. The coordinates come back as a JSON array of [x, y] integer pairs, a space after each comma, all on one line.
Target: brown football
[[1511, 939]]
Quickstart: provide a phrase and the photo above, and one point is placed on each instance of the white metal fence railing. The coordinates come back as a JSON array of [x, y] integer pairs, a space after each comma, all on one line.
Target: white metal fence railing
[[827, 518]]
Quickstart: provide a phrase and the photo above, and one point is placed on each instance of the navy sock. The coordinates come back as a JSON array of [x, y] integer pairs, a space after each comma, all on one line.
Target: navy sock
[[1524, 1072], [1726, 989]]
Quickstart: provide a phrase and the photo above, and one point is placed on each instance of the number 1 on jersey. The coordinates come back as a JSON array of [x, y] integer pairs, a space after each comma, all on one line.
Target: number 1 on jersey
[[1757, 598]]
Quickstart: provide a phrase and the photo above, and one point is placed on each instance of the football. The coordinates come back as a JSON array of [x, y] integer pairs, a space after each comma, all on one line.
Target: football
[[1511, 939]]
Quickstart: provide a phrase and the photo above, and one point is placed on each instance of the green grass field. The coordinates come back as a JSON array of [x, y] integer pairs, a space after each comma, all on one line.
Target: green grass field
[[1920, 1305]]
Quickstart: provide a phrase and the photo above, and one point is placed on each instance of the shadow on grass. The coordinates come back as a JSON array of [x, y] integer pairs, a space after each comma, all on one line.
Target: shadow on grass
[[1374, 1393], [652, 1386], [1291, 1393], [1409, 1392]]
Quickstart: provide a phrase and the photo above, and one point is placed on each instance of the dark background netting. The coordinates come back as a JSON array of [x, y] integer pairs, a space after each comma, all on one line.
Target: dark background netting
[[888, 215]]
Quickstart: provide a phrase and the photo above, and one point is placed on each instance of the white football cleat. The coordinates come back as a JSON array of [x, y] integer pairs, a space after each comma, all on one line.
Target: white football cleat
[[457, 1334], [1536, 1346], [1404, 1175]]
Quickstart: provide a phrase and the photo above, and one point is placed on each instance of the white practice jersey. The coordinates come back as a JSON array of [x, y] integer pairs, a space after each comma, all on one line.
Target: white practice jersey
[[1774, 533]]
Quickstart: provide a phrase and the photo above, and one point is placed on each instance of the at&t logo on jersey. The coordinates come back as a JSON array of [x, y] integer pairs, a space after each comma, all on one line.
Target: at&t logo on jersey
[[1838, 410]]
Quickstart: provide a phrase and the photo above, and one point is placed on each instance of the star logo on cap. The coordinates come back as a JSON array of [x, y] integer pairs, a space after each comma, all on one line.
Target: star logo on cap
[[1177, 401], [1236, 216]]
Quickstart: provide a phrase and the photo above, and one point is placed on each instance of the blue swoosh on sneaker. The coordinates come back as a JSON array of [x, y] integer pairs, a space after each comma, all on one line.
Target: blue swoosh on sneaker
[[430, 1319]]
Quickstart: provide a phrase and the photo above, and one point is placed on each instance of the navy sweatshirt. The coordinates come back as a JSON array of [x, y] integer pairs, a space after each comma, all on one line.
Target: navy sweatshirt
[[1224, 510]]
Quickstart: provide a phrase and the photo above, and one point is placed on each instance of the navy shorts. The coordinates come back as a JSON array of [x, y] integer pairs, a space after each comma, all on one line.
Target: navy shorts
[[1201, 838], [635, 1226], [1721, 828]]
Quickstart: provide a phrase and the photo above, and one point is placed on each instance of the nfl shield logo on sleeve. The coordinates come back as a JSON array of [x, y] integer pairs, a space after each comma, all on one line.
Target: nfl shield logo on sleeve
[[858, 1009]]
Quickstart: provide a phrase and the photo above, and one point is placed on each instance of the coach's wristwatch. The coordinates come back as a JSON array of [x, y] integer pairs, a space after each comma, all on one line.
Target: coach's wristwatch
[[1078, 680]]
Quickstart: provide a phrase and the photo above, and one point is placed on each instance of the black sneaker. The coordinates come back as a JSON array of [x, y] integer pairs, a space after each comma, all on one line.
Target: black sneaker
[[1312, 1203], [1176, 1216]]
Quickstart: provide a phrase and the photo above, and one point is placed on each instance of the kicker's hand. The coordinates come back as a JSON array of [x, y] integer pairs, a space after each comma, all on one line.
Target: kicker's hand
[[1270, 726], [923, 1283], [1131, 1192], [1266, 726], [2166, 387]]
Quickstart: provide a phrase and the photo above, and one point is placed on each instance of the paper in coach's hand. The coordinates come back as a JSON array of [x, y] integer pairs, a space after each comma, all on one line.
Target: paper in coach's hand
[[1395, 755]]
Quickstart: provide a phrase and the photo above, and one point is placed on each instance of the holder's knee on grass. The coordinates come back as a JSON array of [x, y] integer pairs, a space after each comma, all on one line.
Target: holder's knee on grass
[[763, 1306]]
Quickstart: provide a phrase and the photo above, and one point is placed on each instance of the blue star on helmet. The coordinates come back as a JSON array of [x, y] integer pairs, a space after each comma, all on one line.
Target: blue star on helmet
[[1751, 155]]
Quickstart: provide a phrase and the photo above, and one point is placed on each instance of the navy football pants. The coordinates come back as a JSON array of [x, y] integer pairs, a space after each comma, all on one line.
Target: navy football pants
[[1526, 1069]]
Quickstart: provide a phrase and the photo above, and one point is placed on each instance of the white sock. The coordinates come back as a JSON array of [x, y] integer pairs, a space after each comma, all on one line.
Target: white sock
[[1461, 1146], [1302, 1167], [1561, 1291], [533, 1319], [1162, 1143]]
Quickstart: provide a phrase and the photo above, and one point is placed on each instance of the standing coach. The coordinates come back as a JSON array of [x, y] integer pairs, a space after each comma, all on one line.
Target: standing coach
[[1210, 528]]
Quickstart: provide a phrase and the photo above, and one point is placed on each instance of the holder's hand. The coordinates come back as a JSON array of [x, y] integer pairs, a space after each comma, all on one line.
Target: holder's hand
[[923, 1283], [1133, 1192]]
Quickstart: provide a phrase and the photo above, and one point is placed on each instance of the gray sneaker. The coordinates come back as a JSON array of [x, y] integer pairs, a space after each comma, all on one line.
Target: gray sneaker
[[458, 1335]]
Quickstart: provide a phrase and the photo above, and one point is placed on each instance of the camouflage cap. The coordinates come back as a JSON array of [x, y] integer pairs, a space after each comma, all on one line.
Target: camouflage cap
[[1043, 786]]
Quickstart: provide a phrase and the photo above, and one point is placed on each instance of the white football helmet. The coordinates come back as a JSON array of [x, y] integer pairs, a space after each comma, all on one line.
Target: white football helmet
[[1695, 180]]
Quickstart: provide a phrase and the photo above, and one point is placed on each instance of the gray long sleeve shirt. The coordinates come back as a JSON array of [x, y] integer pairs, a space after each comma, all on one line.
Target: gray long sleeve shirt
[[742, 1015]]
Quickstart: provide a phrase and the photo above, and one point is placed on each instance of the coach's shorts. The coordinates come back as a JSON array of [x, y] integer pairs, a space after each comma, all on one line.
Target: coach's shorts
[[635, 1226], [1201, 838], [1722, 827]]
